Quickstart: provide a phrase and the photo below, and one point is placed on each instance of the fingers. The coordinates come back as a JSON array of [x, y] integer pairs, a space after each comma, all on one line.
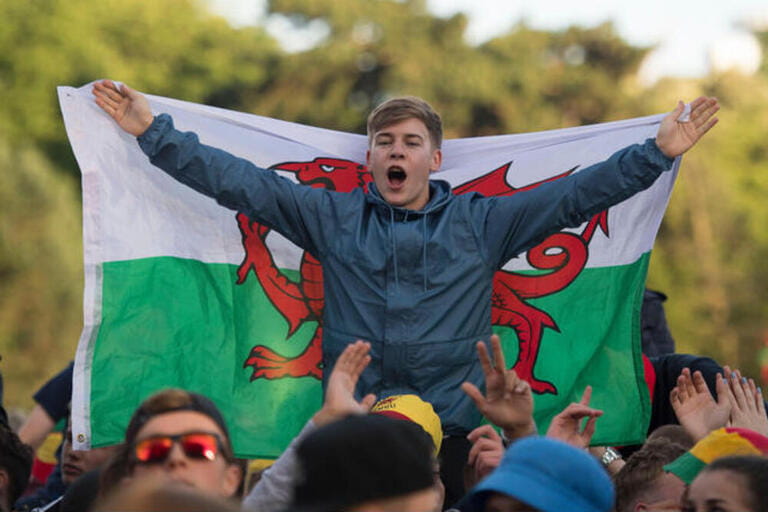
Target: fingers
[[687, 383], [483, 444], [737, 382], [486, 431], [586, 396], [368, 401], [702, 112], [723, 393], [699, 384], [475, 394], [589, 430], [674, 398], [678, 110], [516, 384], [760, 401], [498, 353], [485, 360], [579, 411], [354, 356]]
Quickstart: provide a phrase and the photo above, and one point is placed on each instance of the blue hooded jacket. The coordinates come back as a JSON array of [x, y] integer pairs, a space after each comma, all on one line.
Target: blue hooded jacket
[[415, 284]]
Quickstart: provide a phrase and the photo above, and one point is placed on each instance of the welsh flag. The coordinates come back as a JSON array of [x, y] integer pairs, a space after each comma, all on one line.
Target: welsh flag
[[182, 292]]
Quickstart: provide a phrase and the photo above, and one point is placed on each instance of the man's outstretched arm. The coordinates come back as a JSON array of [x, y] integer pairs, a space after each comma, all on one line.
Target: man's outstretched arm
[[533, 215], [233, 182]]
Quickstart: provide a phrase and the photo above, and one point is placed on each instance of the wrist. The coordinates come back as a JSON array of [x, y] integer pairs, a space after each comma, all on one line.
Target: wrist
[[514, 432]]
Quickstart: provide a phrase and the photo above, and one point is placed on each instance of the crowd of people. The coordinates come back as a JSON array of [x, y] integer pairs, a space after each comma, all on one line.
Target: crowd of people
[[410, 264], [367, 455]]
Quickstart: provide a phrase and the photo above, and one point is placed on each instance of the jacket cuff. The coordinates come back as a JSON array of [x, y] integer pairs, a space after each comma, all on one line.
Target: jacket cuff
[[655, 155], [148, 140]]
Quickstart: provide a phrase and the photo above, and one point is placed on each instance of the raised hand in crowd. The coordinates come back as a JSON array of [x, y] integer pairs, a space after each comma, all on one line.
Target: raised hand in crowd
[[485, 454], [748, 407], [566, 426], [695, 408], [676, 136], [508, 401], [130, 109], [339, 398]]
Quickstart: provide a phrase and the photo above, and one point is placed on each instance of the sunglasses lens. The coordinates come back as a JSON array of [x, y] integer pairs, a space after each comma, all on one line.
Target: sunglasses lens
[[200, 446], [153, 449]]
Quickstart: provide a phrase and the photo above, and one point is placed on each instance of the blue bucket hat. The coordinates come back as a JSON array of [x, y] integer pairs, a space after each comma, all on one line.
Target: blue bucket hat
[[548, 475]]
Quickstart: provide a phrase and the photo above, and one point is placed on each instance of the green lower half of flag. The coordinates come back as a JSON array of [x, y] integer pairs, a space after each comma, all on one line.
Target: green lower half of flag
[[171, 322]]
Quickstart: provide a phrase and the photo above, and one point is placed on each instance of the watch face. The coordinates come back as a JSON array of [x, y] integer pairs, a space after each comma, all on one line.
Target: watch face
[[609, 456]]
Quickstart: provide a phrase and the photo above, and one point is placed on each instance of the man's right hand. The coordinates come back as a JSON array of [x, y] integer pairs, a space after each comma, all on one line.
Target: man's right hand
[[129, 109], [508, 401]]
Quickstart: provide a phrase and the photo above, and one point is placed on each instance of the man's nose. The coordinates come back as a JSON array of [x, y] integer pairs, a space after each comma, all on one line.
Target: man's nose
[[176, 457], [397, 150]]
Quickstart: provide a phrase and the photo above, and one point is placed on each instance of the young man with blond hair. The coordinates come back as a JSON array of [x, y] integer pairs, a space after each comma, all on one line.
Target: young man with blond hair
[[407, 266]]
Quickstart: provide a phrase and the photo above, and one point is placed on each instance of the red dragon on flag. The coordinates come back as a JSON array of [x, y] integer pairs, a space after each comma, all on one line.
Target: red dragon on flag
[[562, 255]]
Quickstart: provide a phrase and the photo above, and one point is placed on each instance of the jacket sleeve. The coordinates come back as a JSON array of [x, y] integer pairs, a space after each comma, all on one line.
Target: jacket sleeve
[[274, 491], [238, 184], [514, 224]]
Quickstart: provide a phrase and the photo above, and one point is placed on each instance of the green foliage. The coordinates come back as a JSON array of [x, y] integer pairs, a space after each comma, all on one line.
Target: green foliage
[[40, 270], [172, 47]]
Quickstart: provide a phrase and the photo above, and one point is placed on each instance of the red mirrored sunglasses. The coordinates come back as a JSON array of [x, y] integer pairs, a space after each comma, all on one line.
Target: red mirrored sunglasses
[[196, 445]]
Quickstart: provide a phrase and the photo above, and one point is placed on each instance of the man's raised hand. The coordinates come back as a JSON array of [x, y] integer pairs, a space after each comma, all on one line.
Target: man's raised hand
[[129, 109], [508, 401], [675, 137], [339, 398], [566, 426], [695, 407]]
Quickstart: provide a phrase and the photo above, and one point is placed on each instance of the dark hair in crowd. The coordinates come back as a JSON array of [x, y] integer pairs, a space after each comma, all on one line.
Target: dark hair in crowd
[[400, 109], [16, 459], [753, 470]]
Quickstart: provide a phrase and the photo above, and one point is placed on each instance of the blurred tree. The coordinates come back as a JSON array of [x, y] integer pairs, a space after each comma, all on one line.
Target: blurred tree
[[173, 47], [40, 270], [521, 81], [710, 251]]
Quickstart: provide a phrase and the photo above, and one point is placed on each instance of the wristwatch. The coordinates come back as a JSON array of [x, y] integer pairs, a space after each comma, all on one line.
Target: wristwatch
[[609, 456]]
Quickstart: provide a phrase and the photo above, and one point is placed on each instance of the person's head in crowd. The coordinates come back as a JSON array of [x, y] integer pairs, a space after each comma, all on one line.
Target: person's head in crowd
[[643, 485], [723, 442], [15, 467], [366, 462], [674, 433], [75, 463], [178, 435], [545, 475], [161, 495], [730, 484], [413, 408]]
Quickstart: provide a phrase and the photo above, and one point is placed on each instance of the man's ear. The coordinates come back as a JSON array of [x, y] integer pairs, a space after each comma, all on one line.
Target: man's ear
[[437, 159], [232, 477], [367, 158]]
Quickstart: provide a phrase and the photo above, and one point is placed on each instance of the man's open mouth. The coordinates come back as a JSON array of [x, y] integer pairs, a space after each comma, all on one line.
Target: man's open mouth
[[396, 175]]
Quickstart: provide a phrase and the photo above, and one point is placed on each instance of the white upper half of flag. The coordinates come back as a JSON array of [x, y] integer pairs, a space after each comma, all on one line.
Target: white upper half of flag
[[132, 210]]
